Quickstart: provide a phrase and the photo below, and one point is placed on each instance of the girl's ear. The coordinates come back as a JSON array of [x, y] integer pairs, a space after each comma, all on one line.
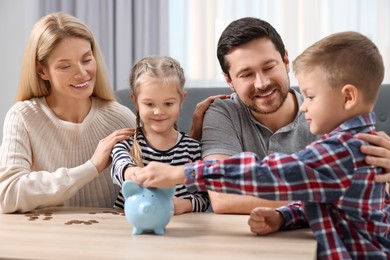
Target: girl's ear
[[183, 97], [351, 95], [134, 100], [42, 71]]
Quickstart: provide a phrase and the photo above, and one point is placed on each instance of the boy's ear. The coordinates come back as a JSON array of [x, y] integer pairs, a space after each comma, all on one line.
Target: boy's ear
[[351, 95], [42, 73]]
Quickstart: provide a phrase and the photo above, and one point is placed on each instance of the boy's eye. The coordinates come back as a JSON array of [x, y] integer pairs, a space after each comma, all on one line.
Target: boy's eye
[[169, 104]]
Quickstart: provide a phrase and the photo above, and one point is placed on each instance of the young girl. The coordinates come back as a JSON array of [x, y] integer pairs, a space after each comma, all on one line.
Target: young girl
[[157, 86]]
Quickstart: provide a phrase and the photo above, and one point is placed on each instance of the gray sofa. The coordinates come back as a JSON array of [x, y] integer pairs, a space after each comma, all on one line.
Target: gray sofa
[[195, 95]]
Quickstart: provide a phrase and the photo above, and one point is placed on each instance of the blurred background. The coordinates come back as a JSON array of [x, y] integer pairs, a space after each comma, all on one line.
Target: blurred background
[[187, 30]]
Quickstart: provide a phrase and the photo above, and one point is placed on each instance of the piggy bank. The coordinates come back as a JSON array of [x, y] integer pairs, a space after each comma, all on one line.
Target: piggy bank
[[147, 209]]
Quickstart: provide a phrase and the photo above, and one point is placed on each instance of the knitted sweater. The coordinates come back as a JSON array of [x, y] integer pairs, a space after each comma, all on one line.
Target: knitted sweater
[[45, 161]]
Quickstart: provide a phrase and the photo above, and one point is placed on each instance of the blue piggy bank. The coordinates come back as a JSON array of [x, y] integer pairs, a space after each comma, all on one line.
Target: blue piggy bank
[[147, 209]]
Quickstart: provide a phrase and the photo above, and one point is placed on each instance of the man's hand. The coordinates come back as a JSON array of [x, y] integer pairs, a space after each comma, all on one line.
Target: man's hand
[[378, 153]]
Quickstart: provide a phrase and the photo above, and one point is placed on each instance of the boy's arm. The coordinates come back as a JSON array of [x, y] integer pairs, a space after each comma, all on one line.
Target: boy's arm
[[224, 203], [293, 215]]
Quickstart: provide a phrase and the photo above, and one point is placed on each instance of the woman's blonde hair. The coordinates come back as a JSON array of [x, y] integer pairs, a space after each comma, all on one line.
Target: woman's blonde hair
[[165, 69], [45, 35]]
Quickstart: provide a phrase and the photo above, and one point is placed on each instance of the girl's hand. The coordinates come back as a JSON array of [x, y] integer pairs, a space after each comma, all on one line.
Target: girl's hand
[[101, 157], [378, 153], [181, 206], [198, 115], [263, 221], [160, 175]]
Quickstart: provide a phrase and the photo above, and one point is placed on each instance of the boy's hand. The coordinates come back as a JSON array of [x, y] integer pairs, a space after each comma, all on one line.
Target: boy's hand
[[159, 175], [263, 221]]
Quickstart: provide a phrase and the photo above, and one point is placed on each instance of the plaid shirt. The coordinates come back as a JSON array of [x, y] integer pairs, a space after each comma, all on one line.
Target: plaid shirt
[[348, 212]]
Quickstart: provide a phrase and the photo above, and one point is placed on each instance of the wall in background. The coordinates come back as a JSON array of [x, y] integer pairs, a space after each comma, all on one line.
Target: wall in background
[[16, 19], [194, 29]]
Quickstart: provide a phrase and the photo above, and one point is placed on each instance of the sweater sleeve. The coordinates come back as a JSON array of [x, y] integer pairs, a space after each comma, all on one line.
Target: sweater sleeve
[[21, 188]]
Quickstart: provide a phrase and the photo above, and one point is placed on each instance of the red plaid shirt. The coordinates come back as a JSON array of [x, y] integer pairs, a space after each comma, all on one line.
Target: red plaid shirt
[[348, 212]]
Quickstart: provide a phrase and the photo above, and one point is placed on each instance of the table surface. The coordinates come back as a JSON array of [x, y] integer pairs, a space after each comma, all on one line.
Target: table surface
[[95, 233]]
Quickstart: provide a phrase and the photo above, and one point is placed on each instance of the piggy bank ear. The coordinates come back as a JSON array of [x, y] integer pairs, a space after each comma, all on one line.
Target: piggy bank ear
[[169, 192], [130, 188]]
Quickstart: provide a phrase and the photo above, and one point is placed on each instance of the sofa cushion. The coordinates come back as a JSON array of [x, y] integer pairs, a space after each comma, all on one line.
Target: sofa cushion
[[196, 95]]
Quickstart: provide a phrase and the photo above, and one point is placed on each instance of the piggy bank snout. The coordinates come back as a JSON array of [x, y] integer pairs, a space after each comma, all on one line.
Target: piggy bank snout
[[146, 208]]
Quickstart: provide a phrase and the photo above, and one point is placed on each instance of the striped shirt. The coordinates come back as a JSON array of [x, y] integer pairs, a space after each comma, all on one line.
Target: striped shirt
[[186, 150], [347, 210]]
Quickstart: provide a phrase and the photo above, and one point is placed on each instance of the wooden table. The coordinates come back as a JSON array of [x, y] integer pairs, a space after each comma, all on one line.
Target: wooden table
[[93, 233]]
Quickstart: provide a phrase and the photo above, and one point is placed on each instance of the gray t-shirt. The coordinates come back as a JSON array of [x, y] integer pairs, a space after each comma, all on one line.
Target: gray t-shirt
[[229, 128]]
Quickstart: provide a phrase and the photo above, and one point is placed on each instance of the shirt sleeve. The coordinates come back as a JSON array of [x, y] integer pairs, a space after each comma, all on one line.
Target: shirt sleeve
[[319, 173], [23, 189], [121, 160], [219, 133], [294, 216]]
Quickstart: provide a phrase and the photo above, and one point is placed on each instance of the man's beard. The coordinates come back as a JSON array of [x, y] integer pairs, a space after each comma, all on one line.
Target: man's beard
[[259, 110]]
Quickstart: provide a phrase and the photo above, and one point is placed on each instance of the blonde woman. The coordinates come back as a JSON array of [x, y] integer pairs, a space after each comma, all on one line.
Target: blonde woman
[[59, 134]]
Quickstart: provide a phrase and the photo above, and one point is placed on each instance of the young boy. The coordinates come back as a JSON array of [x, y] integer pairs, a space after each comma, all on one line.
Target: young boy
[[349, 213]]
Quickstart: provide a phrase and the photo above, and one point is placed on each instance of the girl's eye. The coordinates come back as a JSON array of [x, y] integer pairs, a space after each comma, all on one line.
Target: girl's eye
[[64, 67], [169, 104], [87, 60]]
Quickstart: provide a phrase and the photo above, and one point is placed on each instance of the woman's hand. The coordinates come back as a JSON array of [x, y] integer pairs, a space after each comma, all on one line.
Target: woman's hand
[[263, 221], [378, 153], [159, 175], [198, 115], [101, 157]]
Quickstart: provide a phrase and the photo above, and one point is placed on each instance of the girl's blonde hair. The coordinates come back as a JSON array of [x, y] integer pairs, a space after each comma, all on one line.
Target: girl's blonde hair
[[45, 35], [162, 68]]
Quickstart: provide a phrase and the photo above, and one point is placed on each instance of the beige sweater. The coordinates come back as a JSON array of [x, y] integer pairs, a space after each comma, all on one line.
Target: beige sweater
[[45, 161]]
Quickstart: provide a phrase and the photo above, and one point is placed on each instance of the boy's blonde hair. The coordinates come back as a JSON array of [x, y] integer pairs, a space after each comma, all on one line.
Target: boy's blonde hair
[[45, 35], [162, 68], [345, 58]]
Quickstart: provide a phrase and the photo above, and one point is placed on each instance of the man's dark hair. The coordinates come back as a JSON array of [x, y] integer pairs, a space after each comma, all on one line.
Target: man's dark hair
[[242, 31]]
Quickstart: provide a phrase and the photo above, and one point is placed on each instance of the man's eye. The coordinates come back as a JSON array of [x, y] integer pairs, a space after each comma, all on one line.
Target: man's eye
[[244, 75]]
